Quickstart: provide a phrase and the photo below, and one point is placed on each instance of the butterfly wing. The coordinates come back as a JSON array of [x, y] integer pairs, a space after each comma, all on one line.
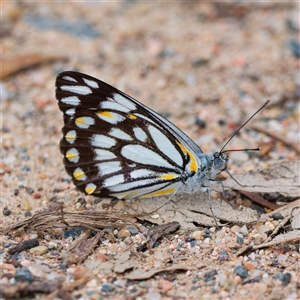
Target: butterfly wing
[[115, 146]]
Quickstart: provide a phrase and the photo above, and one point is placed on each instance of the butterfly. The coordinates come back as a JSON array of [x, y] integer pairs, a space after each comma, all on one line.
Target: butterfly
[[114, 146]]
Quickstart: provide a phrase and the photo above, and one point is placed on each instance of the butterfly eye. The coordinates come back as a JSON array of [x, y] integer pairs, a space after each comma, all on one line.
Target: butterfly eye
[[219, 161]]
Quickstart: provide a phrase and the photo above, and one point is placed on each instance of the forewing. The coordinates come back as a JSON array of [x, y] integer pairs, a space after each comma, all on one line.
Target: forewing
[[111, 145], [79, 91]]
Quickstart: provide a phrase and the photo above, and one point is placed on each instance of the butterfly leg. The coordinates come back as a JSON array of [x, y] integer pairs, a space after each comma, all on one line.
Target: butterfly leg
[[207, 189]]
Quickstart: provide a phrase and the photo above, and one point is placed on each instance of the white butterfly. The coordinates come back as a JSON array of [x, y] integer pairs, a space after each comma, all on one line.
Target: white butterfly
[[114, 146]]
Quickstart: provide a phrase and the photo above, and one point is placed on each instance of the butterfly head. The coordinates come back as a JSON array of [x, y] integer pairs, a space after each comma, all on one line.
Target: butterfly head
[[219, 164]]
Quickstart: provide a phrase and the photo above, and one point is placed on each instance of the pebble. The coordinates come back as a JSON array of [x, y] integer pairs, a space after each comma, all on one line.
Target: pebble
[[258, 239], [239, 240], [39, 270], [6, 244], [73, 232], [223, 255], [284, 278], [206, 233], [6, 211], [120, 282], [23, 275], [39, 250], [107, 288], [197, 235], [91, 284], [252, 256], [36, 195], [263, 229], [249, 266], [282, 258], [152, 296], [208, 276], [241, 271], [270, 225], [102, 257], [235, 228], [199, 122], [27, 214], [165, 285], [29, 190], [123, 233], [276, 216], [119, 205], [133, 230], [25, 204]]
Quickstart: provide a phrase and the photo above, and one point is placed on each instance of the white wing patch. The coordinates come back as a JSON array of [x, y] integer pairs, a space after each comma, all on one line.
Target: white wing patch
[[91, 83], [68, 78], [134, 184], [142, 155], [120, 134], [70, 112], [102, 141], [113, 180], [142, 173], [115, 106], [145, 118], [102, 154], [77, 89], [165, 146], [140, 134], [84, 122], [72, 100], [110, 117], [108, 167], [123, 101]]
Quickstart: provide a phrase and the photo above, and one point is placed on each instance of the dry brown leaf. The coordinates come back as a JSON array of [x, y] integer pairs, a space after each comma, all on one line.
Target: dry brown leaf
[[140, 274], [282, 176], [19, 62], [192, 210], [83, 249], [55, 218], [123, 262]]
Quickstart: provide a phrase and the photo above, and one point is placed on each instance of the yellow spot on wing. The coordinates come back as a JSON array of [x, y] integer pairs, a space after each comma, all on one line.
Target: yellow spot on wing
[[70, 137], [79, 174], [71, 155], [80, 121], [169, 176], [105, 114], [193, 161], [131, 116], [159, 193], [90, 188]]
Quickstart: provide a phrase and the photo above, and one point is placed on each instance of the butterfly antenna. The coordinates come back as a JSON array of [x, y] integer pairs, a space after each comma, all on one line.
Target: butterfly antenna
[[265, 104], [247, 149]]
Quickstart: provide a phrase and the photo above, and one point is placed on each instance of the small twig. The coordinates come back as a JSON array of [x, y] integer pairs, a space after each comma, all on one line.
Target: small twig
[[269, 244], [276, 136], [280, 225], [259, 199]]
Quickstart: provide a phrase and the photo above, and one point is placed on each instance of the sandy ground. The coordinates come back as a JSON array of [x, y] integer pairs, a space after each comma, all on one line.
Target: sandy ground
[[206, 66]]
